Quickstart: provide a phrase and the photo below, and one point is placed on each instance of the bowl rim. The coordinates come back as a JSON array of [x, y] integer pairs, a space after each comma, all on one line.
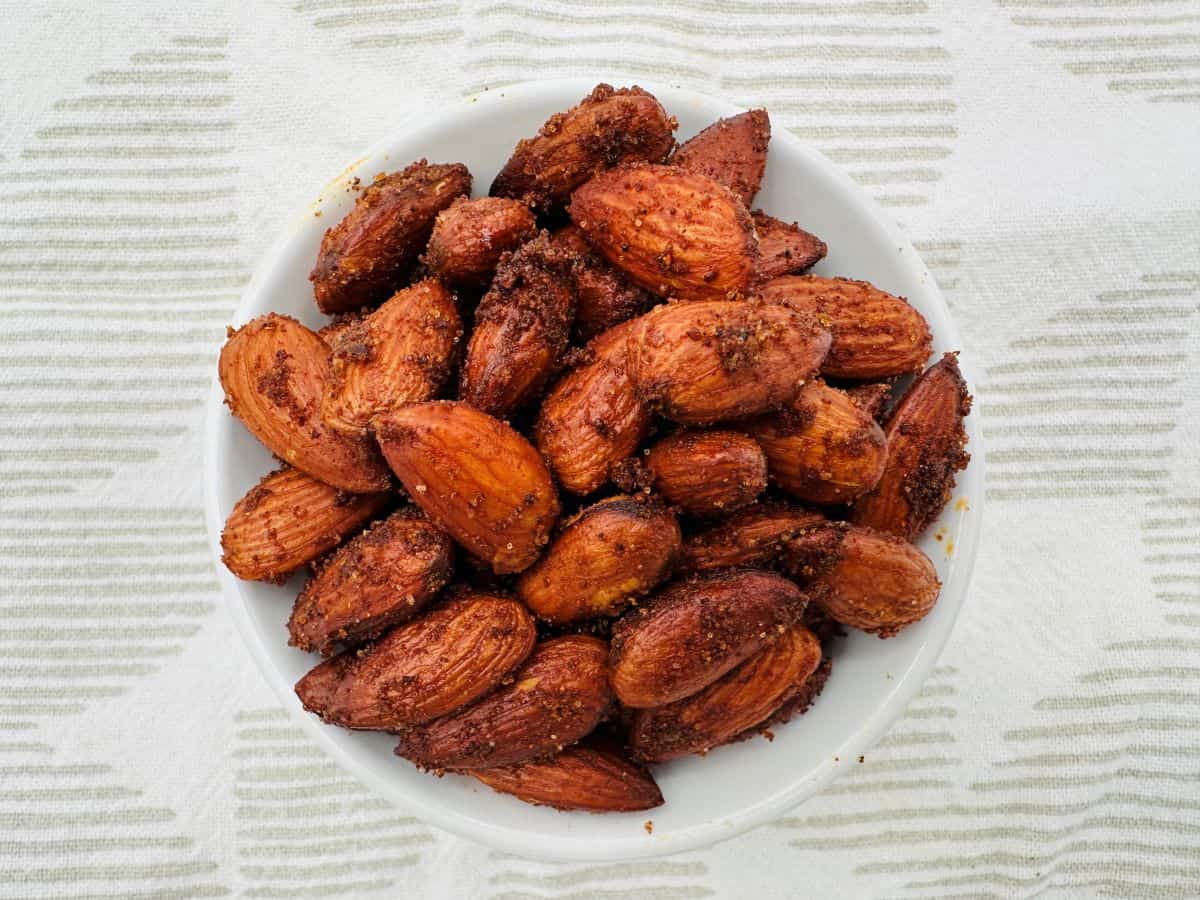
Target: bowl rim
[[581, 848]]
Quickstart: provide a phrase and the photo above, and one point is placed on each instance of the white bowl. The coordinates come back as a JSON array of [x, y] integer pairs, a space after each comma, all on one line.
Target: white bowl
[[732, 788]]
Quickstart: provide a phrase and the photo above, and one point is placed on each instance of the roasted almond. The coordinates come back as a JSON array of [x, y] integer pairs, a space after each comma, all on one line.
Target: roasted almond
[[274, 372], [926, 446], [470, 236], [708, 473], [606, 128], [338, 325], [875, 334], [729, 706], [592, 418], [522, 327], [364, 258], [475, 477], [678, 235], [603, 297], [557, 697], [591, 778], [783, 248], [694, 631], [699, 363], [610, 553], [751, 537], [383, 577], [731, 151], [872, 398], [289, 519], [425, 668], [823, 448], [399, 354]]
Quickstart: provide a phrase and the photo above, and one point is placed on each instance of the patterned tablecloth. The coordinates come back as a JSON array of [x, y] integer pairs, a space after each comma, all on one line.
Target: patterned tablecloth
[[1044, 156]]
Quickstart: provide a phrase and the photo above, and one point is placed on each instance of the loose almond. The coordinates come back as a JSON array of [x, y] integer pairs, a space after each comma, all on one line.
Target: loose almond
[[676, 234], [926, 446], [609, 554], [470, 236], [427, 668], [557, 697], [383, 577], [603, 297], [475, 477], [694, 631], [753, 536], [289, 519], [731, 151], [364, 258], [699, 363], [744, 698], [274, 372], [399, 354], [784, 249], [708, 473]]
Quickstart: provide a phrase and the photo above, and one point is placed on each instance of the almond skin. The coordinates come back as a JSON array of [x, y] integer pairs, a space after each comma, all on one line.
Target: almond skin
[[522, 327], [823, 448], [731, 151], [592, 418], [866, 579], [274, 372], [676, 234], [591, 778], [474, 476], [699, 363], [694, 631], [875, 334], [426, 668], [364, 257], [783, 248], [557, 697], [383, 577], [610, 553], [470, 236], [926, 446], [608, 127], [708, 473], [289, 519], [399, 354], [745, 697], [753, 536], [603, 297]]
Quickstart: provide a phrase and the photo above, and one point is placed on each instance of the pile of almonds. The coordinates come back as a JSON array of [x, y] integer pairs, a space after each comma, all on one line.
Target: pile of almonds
[[673, 470]]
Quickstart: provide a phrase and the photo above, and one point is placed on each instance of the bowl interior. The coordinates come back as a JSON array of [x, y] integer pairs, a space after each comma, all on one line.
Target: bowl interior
[[735, 787]]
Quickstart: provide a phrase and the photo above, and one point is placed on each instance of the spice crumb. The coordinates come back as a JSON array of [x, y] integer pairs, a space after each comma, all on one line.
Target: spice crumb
[[649, 826]]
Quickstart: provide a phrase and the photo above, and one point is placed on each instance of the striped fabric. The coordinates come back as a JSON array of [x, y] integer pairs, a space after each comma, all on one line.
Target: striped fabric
[[1042, 155]]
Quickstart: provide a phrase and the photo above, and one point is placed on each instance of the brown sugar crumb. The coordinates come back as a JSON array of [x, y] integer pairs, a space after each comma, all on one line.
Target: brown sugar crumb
[[649, 826]]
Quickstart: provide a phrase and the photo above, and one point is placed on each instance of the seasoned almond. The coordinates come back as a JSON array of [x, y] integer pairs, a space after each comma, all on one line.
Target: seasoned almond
[[610, 553], [784, 249], [676, 234], [751, 537], [522, 327], [470, 236], [592, 778], [592, 418], [872, 398], [694, 631], [708, 473], [740, 700], [338, 325], [603, 297], [875, 334], [274, 372], [364, 258], [289, 519], [426, 668], [823, 448], [608, 127], [731, 151], [926, 446], [383, 577], [557, 697], [399, 354], [475, 477], [699, 363]]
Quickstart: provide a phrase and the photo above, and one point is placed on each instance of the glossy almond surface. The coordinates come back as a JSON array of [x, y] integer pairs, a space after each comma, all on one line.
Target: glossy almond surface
[[751, 537], [784, 248], [731, 151], [708, 473], [470, 236]]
